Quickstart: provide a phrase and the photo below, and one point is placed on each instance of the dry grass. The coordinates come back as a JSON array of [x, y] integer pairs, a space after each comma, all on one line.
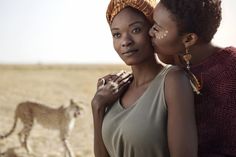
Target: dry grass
[[52, 85]]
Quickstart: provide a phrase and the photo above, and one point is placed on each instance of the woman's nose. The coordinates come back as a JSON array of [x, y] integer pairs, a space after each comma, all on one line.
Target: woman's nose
[[151, 32], [126, 42]]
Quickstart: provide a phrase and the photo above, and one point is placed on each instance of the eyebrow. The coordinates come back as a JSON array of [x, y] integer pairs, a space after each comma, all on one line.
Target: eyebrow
[[134, 23], [114, 29]]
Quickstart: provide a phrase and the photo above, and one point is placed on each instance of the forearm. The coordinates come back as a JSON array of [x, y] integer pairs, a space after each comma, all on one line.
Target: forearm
[[103, 98], [99, 147]]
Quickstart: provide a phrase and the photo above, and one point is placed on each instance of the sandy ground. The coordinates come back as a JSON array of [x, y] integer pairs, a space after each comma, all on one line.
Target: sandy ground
[[52, 85]]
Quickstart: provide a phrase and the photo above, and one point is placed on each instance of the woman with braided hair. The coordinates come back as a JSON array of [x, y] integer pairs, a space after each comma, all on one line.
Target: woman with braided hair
[[184, 29], [154, 114]]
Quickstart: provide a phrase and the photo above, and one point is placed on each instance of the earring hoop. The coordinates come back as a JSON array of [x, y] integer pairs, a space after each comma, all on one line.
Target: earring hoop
[[187, 57], [196, 85]]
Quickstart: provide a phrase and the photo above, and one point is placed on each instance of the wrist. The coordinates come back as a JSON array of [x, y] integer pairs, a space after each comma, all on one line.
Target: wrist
[[97, 106]]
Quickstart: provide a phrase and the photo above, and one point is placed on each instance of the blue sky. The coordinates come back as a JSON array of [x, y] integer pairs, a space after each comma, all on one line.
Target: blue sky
[[71, 31]]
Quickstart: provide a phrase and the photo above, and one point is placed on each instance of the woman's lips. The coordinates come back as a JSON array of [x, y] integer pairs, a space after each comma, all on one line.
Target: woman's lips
[[130, 53]]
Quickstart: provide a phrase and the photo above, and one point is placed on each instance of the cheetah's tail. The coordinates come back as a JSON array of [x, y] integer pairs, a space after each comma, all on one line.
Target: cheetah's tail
[[11, 131]]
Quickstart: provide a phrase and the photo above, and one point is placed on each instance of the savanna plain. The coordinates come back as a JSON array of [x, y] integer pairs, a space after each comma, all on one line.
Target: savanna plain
[[53, 86]]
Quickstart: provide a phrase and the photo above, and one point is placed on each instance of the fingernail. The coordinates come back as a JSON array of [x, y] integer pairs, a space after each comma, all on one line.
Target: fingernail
[[121, 72]]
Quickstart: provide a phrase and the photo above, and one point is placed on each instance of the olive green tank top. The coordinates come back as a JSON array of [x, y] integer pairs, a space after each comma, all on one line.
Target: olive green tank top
[[141, 129]]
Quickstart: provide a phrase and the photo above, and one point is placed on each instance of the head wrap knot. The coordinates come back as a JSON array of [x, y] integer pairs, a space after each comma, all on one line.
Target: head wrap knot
[[115, 6]]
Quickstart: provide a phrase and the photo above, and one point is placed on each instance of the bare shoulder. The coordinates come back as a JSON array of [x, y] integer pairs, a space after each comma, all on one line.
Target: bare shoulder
[[177, 87], [176, 75]]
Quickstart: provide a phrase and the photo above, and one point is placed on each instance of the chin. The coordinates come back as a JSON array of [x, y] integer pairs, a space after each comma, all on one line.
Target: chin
[[129, 62]]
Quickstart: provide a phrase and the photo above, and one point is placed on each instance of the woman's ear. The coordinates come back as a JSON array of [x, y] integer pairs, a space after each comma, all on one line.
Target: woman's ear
[[190, 39]]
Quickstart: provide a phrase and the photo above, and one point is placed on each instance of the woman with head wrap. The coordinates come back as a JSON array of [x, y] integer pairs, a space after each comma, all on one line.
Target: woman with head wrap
[[189, 26], [154, 113]]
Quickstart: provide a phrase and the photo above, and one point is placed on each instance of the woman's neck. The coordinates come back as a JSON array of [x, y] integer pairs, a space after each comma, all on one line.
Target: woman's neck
[[145, 73], [201, 52]]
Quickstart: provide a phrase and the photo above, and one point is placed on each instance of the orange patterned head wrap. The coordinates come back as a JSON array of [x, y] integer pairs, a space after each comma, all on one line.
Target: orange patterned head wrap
[[115, 6]]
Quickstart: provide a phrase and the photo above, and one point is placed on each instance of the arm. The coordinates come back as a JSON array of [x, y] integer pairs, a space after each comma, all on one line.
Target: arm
[[98, 114], [181, 131], [105, 95]]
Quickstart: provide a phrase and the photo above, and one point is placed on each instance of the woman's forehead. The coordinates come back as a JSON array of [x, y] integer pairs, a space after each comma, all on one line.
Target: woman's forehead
[[163, 17], [128, 15]]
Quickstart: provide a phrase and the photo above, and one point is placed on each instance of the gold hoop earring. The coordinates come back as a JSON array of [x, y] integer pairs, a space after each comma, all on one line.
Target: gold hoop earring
[[193, 80], [187, 57]]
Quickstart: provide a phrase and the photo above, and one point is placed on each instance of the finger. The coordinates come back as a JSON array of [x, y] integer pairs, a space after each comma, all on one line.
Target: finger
[[119, 74], [115, 91], [112, 86], [125, 81], [107, 77], [103, 80], [111, 77], [123, 77], [122, 86], [114, 79], [100, 82]]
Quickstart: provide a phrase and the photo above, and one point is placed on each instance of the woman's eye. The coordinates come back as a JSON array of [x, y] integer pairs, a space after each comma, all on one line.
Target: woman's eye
[[136, 30], [155, 29], [116, 35]]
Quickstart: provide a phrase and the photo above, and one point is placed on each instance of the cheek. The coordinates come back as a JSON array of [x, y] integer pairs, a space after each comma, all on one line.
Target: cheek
[[116, 46], [168, 45], [144, 41]]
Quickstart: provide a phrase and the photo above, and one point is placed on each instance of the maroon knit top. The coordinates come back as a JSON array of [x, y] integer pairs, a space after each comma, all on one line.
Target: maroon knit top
[[216, 107]]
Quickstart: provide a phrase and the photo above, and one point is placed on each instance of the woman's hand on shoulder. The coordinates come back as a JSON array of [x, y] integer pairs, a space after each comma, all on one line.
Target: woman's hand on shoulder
[[182, 131], [109, 88]]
